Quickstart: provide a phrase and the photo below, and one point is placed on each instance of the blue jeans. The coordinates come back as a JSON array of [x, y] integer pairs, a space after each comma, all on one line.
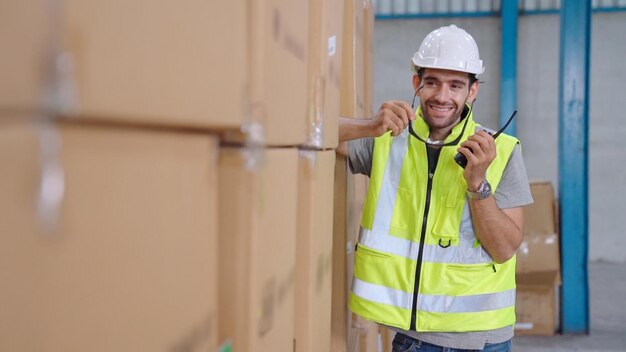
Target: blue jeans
[[403, 343]]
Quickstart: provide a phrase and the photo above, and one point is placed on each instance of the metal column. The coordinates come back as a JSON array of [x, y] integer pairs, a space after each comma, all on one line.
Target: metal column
[[508, 90], [573, 163]]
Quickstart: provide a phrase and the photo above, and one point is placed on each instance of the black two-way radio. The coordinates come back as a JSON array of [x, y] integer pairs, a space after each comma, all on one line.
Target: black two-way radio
[[462, 160]]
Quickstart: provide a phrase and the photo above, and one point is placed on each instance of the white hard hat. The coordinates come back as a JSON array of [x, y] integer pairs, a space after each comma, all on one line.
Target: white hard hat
[[449, 48]]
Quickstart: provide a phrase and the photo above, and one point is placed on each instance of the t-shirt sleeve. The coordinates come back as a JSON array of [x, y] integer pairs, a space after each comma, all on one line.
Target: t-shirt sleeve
[[360, 153], [514, 190]]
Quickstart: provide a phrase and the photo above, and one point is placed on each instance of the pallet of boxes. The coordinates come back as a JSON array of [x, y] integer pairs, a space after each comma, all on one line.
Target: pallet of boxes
[[538, 273], [167, 175]]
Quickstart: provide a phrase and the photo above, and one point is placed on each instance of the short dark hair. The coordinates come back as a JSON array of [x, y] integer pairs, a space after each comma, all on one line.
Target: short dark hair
[[472, 77]]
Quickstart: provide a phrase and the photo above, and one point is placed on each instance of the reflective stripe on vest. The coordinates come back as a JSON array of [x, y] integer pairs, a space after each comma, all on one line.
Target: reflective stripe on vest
[[389, 190], [434, 303]]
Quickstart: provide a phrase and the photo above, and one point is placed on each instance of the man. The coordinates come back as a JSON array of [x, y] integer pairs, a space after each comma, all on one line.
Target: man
[[436, 254]]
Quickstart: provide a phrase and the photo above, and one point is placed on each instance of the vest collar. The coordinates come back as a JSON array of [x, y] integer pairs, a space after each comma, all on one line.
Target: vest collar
[[422, 130]]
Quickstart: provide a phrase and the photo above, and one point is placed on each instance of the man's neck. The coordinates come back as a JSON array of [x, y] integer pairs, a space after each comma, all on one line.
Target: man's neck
[[442, 134]]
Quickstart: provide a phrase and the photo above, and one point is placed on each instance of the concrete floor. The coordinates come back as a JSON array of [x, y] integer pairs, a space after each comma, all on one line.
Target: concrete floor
[[607, 289]]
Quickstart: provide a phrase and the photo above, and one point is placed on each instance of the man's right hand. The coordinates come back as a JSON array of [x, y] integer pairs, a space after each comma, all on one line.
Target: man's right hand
[[394, 116]]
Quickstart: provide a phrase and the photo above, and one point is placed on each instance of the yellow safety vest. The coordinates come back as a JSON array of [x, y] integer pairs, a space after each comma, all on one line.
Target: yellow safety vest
[[415, 237]]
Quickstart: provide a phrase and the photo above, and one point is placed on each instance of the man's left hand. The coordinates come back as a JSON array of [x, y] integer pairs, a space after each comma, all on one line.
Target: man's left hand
[[480, 150]]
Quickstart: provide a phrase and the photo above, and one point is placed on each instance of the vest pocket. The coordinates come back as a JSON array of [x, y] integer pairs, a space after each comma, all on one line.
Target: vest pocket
[[379, 268], [468, 277], [447, 222], [362, 250], [472, 268]]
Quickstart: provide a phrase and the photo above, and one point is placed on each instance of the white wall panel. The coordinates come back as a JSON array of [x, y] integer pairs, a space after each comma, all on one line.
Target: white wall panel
[[607, 138]]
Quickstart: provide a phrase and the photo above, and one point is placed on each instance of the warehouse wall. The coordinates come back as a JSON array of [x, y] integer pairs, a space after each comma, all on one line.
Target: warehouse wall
[[607, 163], [538, 84]]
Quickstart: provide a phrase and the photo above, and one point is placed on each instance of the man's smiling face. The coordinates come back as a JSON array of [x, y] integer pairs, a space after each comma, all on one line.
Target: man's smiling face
[[443, 94]]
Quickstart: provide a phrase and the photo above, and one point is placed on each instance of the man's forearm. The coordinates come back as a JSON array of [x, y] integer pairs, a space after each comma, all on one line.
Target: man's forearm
[[392, 116], [350, 129], [499, 231]]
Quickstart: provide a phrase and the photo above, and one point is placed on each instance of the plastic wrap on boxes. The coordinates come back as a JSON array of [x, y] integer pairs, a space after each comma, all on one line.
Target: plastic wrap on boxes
[[52, 179]]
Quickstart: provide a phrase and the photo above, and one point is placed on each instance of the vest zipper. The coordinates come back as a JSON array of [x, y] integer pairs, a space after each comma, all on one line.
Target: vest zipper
[[421, 251]]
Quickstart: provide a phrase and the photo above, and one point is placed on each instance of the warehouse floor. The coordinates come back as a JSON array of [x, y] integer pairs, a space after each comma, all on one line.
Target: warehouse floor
[[607, 289]]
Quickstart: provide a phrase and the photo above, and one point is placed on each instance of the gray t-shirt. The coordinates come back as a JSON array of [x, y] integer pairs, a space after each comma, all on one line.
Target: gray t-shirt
[[513, 191]]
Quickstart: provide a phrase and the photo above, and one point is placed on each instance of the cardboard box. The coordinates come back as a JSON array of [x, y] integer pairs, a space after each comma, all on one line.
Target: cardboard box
[[368, 57], [343, 335], [187, 64], [352, 102], [541, 216], [538, 265], [386, 338], [537, 304], [325, 50], [257, 246], [369, 338], [349, 189], [109, 239], [361, 184], [314, 249], [539, 250]]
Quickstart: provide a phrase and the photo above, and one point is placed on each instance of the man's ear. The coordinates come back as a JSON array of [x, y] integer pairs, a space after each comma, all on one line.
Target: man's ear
[[416, 82], [473, 92]]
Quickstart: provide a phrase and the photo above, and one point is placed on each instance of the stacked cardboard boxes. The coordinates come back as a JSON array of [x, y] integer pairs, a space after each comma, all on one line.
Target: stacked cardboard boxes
[[257, 250], [166, 164], [344, 336], [192, 65], [368, 57], [109, 239], [314, 250], [349, 332], [352, 103], [324, 79], [538, 265]]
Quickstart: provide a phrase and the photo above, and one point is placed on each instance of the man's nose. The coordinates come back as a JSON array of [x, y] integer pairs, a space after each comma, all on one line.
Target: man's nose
[[443, 94]]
